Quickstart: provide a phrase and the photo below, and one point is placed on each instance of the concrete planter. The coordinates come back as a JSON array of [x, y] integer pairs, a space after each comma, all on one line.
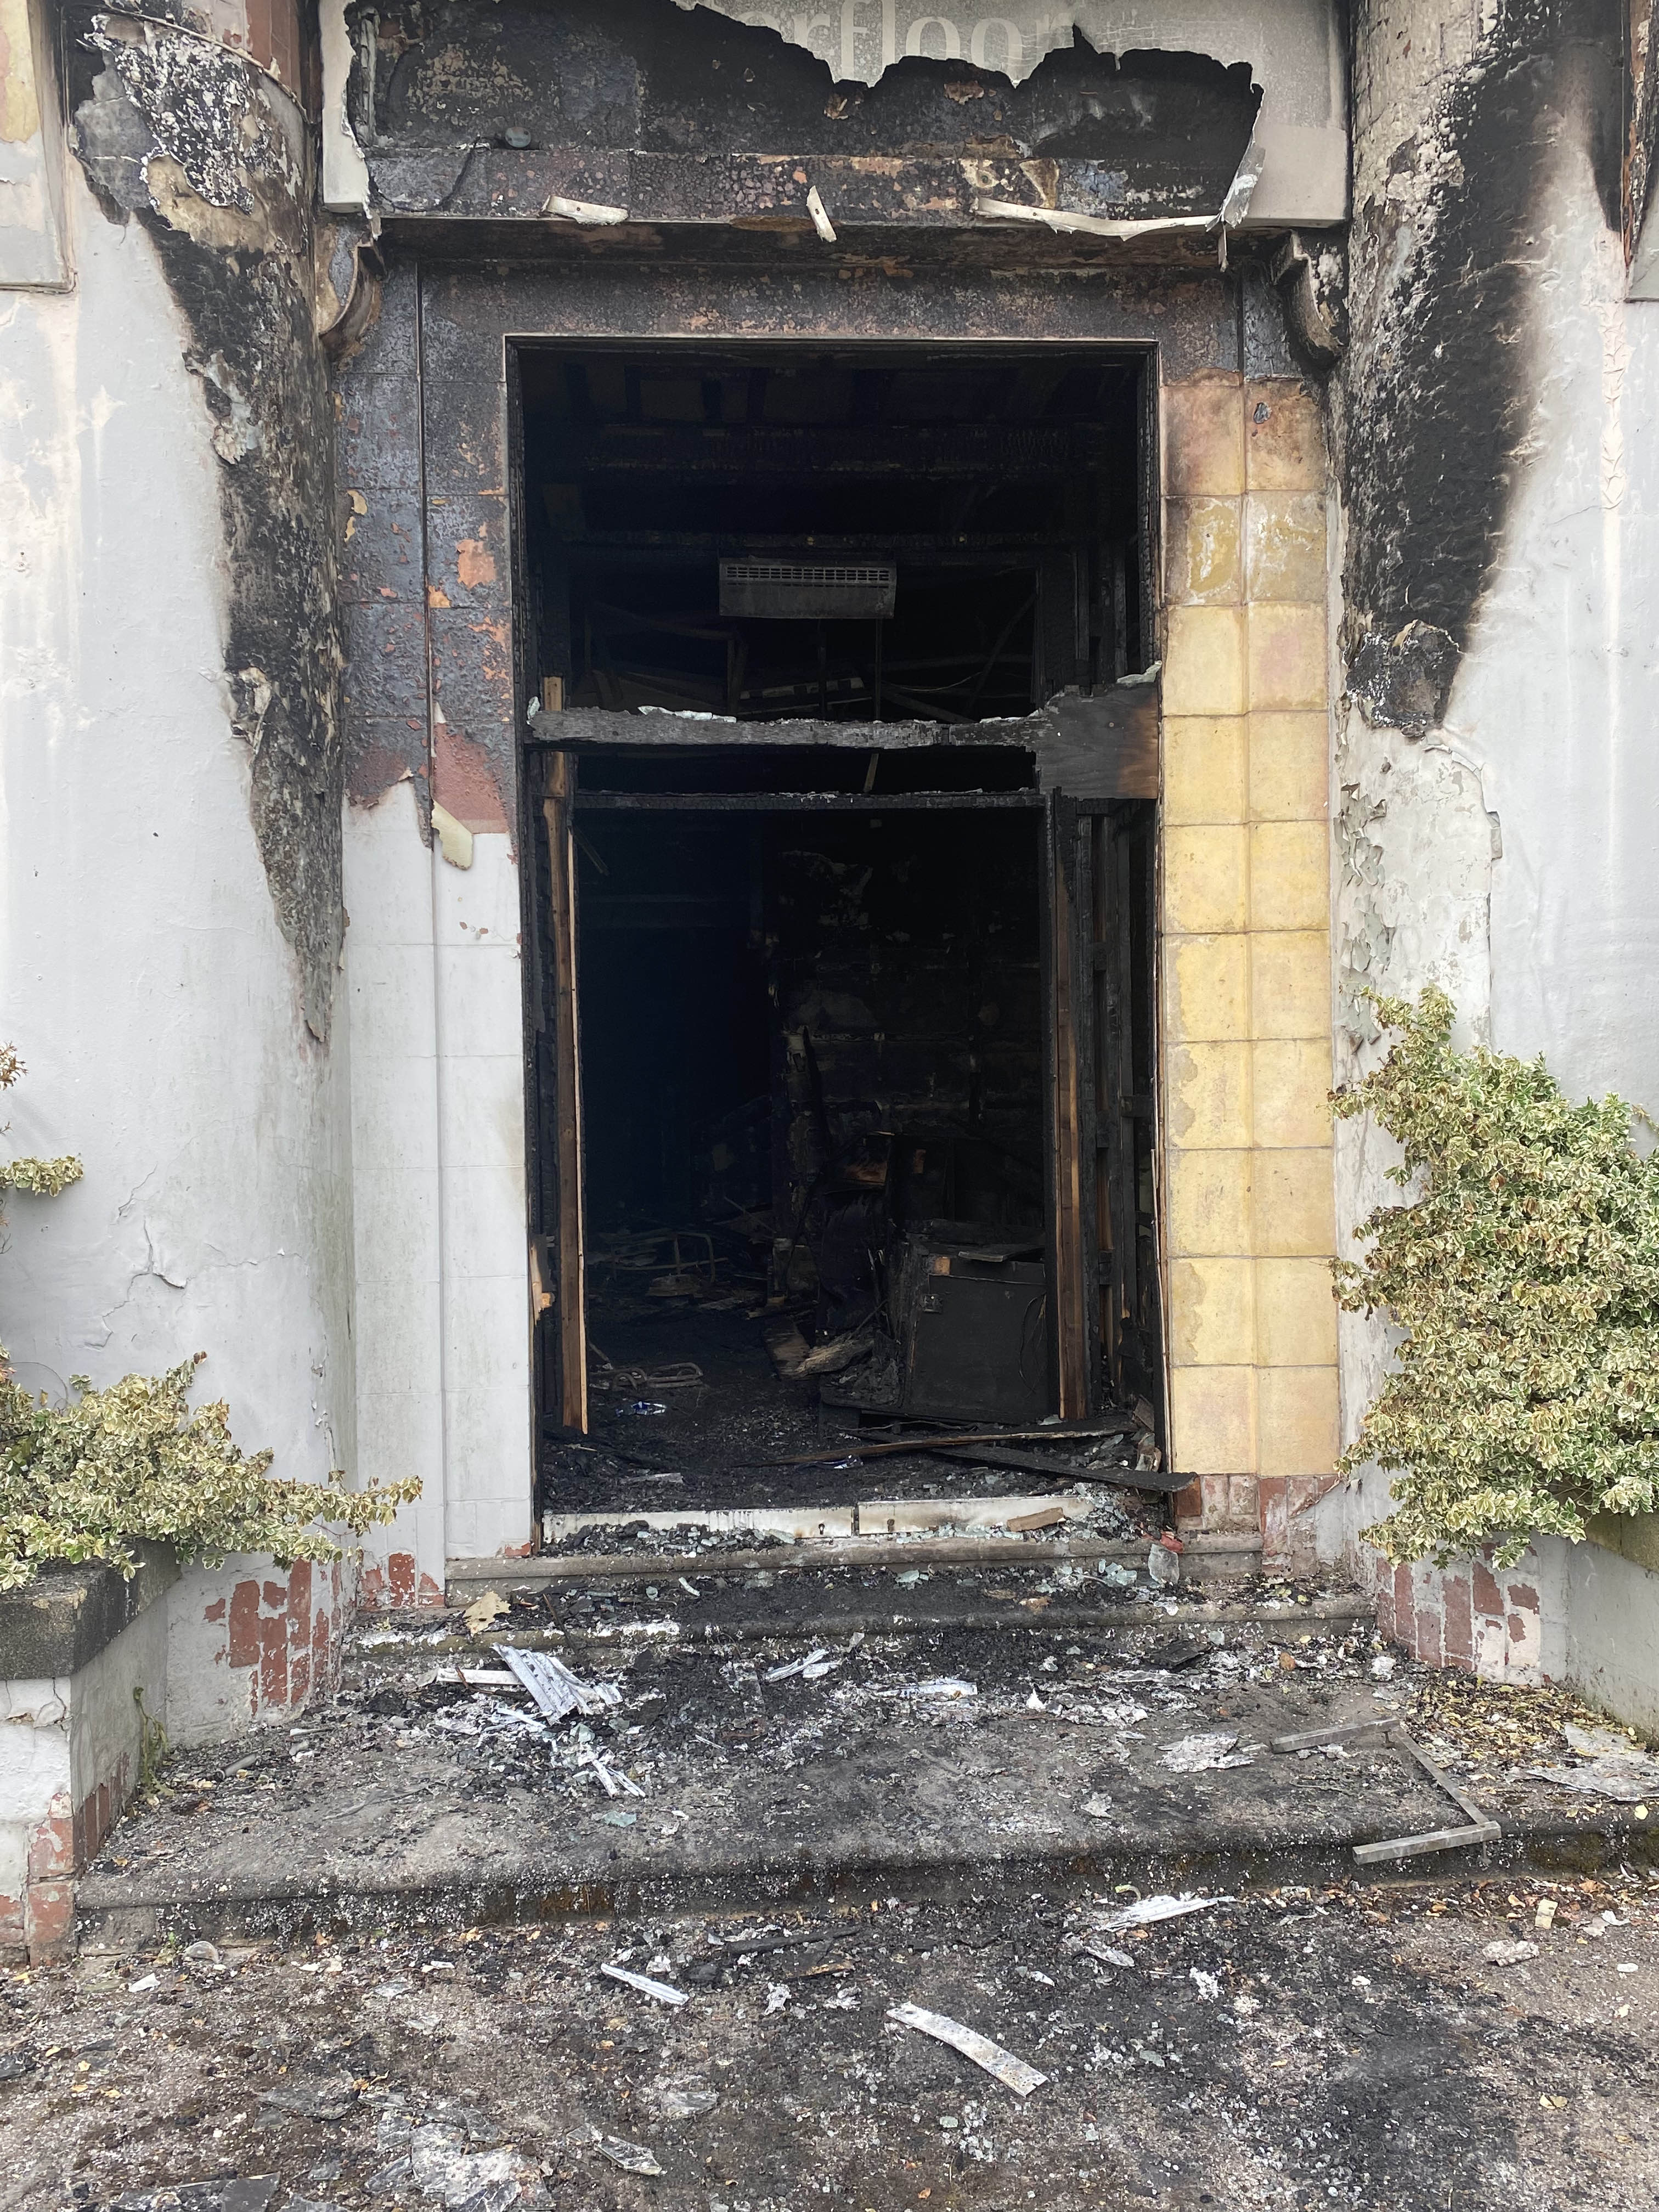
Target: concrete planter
[[212, 1651], [79, 1648]]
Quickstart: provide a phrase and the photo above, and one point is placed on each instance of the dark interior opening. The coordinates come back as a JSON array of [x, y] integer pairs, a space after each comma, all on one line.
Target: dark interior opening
[[1002, 491], [813, 972], [762, 995]]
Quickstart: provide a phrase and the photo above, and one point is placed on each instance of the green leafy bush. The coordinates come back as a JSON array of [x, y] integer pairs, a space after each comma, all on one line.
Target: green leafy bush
[[88, 1479], [83, 1481], [1524, 1270]]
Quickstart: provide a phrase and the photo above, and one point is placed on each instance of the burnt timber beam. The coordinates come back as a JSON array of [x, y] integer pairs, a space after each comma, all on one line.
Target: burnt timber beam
[[803, 802], [1101, 747]]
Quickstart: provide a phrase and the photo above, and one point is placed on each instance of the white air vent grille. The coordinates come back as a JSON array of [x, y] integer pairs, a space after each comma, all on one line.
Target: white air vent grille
[[809, 590]]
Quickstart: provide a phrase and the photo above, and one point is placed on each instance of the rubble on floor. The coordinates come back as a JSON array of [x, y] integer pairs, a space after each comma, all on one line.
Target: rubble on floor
[[774, 1735], [1341, 2043]]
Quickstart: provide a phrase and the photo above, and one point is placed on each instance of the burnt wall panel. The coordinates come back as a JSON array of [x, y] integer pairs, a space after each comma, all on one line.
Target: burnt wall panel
[[1462, 136], [466, 97], [210, 156], [382, 574]]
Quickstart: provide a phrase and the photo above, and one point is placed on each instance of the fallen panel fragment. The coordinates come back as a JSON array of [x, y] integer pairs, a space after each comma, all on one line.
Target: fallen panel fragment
[[1013, 2073]]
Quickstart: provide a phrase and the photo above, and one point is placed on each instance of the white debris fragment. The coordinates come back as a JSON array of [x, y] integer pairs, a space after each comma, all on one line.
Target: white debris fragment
[[821, 222], [554, 1688], [1013, 2073], [1207, 1986], [1146, 1910], [1201, 1754], [1163, 1566], [1600, 1742], [632, 2157], [940, 1685], [682, 2098], [484, 1612], [663, 1992], [797, 1666], [1508, 1954], [1108, 1956], [440, 2166], [612, 1780], [777, 1995], [583, 211]]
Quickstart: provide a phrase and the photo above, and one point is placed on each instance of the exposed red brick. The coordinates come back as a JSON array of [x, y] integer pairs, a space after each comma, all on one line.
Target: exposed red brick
[[216, 1611], [1523, 1597], [1382, 1575], [258, 30], [1405, 1606], [1459, 1619], [52, 1847], [273, 1661], [1427, 1642], [400, 1574], [1488, 1598], [299, 1602], [431, 1593], [49, 1918], [1270, 1503], [244, 1625], [276, 1594]]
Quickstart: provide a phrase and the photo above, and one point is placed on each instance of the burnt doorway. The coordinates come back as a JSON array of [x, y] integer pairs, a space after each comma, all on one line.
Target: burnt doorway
[[827, 1050]]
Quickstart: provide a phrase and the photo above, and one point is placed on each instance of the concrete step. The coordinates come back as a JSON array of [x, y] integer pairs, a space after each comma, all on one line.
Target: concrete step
[[1203, 1557], [743, 1792]]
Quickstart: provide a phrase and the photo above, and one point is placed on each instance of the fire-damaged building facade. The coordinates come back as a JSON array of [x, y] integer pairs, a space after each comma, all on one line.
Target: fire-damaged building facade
[[700, 694]]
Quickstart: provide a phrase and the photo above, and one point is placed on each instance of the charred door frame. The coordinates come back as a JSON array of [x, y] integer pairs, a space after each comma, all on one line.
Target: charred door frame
[[1093, 1250]]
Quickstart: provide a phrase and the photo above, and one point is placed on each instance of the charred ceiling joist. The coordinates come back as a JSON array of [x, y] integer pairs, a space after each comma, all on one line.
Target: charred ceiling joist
[[209, 155]]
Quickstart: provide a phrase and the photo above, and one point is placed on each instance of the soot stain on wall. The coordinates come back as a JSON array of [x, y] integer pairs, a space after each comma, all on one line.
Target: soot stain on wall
[[211, 159], [1439, 384]]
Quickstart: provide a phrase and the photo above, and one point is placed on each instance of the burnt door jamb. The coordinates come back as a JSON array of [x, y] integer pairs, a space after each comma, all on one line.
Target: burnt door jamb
[[1070, 1334], [568, 1285]]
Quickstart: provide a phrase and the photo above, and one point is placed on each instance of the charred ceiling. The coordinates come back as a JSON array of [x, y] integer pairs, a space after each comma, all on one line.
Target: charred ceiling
[[1437, 387], [210, 156]]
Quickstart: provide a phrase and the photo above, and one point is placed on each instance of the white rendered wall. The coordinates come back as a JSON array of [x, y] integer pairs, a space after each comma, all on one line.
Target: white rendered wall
[[434, 985], [144, 979], [1510, 856]]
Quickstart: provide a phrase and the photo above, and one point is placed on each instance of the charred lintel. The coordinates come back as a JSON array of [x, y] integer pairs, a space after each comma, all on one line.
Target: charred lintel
[[1098, 747], [801, 802], [714, 451], [579, 727], [1103, 746]]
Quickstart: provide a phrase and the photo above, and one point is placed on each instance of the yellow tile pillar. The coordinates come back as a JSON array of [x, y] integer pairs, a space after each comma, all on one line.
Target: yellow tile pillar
[[1248, 1203]]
